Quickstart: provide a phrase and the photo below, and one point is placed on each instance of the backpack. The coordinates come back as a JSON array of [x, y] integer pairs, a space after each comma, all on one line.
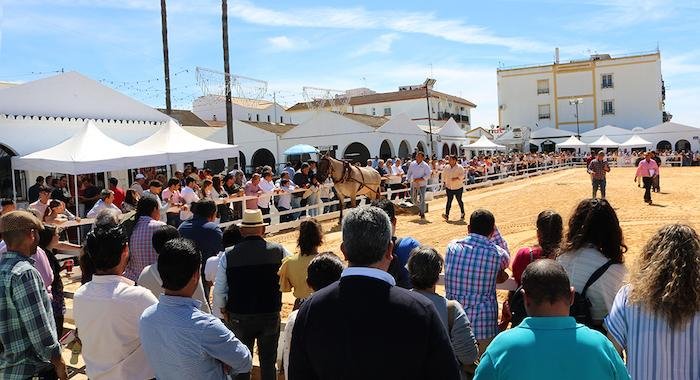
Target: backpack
[[581, 308]]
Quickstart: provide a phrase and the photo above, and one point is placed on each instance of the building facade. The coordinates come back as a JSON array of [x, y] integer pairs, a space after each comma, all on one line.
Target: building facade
[[625, 91], [213, 107]]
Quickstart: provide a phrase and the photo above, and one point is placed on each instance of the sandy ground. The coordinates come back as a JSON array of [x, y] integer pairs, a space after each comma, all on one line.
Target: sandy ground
[[516, 205]]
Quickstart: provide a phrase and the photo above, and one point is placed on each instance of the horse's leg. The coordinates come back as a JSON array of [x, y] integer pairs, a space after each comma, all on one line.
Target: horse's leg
[[341, 205], [353, 199]]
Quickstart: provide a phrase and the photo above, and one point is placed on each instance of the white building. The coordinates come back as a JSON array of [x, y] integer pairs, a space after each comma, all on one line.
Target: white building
[[626, 91], [408, 100], [213, 107]]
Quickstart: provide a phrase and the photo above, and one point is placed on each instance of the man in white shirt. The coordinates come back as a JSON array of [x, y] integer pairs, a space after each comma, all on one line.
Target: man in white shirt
[[453, 178], [106, 201], [139, 184], [107, 311], [418, 175], [267, 187], [189, 195], [284, 201]]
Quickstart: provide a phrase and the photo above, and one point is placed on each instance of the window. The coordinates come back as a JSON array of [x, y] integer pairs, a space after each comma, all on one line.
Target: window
[[387, 111], [543, 111], [608, 107], [374, 111], [607, 81], [282, 119], [250, 117], [268, 118], [543, 86], [257, 117]]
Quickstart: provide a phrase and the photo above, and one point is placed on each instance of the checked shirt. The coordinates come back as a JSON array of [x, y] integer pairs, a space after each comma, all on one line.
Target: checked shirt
[[141, 249], [471, 267], [27, 332]]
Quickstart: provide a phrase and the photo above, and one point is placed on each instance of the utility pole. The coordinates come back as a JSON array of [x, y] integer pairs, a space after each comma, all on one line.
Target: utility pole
[[166, 61], [274, 105], [227, 81]]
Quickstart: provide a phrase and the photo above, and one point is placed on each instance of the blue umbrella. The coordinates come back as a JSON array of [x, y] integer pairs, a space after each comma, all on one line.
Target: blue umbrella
[[300, 149]]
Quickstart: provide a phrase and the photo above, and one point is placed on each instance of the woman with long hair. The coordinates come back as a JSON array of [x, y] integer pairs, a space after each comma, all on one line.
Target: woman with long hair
[[131, 199], [292, 272], [56, 212], [593, 239], [550, 229], [656, 318]]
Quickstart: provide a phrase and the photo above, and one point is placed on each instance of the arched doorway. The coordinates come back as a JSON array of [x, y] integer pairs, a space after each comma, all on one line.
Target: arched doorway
[[403, 150], [445, 150], [6, 173], [548, 146], [682, 145], [356, 152], [453, 150], [421, 147], [385, 150], [263, 157], [664, 145]]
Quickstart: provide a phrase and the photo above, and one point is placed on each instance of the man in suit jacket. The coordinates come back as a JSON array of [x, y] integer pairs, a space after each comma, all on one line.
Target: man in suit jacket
[[364, 327]]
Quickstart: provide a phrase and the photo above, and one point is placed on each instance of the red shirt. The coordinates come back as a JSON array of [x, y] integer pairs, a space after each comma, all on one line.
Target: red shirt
[[119, 195], [522, 260]]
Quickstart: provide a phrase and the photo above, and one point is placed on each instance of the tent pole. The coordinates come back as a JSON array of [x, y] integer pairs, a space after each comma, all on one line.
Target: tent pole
[[77, 212], [14, 187]]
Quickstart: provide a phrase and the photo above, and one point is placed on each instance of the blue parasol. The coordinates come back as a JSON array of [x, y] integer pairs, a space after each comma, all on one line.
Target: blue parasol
[[300, 149]]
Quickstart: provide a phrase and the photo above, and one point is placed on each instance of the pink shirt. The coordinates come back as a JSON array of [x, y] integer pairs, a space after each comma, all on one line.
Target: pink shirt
[[176, 196], [647, 168], [252, 191]]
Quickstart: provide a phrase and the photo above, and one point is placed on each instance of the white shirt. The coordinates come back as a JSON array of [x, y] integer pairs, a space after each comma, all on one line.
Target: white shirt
[[397, 170], [101, 205], [267, 188], [107, 312], [188, 196], [369, 272], [580, 265], [211, 267], [40, 208], [286, 199], [150, 279]]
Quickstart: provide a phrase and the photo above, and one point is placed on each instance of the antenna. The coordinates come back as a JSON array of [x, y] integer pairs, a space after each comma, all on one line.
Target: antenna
[[248, 90]]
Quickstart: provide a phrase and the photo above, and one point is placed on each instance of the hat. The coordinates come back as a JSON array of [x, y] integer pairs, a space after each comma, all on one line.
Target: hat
[[252, 218], [140, 176], [19, 221]]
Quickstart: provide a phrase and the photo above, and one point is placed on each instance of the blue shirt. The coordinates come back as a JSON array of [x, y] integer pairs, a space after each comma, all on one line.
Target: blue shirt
[[545, 348], [205, 234], [422, 170], [182, 342]]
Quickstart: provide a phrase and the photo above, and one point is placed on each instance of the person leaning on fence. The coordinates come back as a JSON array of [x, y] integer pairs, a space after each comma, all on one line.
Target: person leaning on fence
[[550, 344]]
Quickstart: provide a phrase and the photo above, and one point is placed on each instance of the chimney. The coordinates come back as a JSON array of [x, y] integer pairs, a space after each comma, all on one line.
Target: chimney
[[556, 55]]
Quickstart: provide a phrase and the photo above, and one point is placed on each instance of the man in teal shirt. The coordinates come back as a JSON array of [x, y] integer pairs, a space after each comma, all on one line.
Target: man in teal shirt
[[550, 344]]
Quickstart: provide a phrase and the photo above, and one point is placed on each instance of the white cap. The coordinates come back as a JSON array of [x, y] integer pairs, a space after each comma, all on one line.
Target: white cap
[[140, 176]]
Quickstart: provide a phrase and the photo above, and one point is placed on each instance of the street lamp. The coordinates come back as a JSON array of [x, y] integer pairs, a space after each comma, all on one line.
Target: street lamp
[[576, 102]]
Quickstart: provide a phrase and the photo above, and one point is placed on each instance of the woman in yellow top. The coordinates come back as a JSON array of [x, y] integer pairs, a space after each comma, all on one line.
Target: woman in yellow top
[[293, 270]]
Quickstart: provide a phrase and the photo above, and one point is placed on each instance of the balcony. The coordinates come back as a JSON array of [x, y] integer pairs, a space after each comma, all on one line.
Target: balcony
[[458, 118]]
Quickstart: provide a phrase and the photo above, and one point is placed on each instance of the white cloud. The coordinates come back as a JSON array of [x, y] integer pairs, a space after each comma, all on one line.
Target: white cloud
[[286, 43], [396, 21], [381, 44], [616, 14], [681, 64]]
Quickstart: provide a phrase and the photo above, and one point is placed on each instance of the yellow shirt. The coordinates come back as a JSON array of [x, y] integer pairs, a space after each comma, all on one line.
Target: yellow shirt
[[293, 275]]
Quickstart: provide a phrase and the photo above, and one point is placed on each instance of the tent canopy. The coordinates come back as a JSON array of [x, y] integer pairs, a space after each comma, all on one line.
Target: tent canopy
[[484, 143], [179, 146], [572, 142], [300, 149], [88, 151], [636, 141], [604, 142]]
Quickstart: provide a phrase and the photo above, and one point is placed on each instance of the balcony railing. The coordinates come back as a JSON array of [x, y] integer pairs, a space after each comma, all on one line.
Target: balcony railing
[[457, 117]]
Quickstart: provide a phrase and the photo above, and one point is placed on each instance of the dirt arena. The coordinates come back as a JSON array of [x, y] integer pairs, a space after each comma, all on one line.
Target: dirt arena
[[516, 205]]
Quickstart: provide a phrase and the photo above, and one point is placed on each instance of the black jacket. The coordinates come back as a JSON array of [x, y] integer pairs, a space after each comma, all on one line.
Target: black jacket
[[363, 328]]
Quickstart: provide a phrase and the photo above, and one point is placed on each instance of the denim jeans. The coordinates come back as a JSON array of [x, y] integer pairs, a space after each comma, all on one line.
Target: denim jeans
[[647, 188], [454, 194], [296, 203], [266, 329], [598, 183], [419, 192]]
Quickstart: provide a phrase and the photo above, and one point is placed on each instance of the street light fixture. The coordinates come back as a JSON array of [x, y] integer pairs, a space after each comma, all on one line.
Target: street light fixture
[[576, 102]]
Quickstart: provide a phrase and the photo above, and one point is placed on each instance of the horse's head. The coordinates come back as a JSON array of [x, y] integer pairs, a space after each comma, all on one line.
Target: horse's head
[[323, 169]]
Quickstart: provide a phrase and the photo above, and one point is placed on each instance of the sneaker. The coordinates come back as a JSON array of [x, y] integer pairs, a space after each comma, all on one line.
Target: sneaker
[[461, 217], [445, 216]]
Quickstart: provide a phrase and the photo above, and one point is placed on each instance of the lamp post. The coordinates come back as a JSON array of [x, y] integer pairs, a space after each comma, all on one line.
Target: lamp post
[[576, 102], [428, 84]]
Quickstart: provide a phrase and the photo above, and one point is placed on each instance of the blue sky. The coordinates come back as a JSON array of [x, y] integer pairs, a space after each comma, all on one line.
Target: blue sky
[[344, 44]]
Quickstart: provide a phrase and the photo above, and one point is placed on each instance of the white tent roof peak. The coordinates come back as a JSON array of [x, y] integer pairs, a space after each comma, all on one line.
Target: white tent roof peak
[[572, 142], [547, 132], [669, 126], [484, 143], [636, 141], [87, 151], [608, 130], [73, 95], [182, 146], [604, 142], [450, 129]]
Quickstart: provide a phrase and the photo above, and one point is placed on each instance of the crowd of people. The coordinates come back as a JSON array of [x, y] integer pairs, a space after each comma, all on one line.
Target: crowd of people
[[194, 301]]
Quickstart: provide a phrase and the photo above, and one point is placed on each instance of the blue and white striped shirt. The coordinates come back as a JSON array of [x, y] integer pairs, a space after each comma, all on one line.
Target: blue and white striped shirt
[[654, 350]]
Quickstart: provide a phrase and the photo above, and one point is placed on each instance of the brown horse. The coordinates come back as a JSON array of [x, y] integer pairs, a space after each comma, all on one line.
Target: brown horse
[[349, 180]]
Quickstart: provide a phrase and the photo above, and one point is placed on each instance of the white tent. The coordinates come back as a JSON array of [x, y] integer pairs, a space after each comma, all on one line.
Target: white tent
[[572, 142], [180, 146], [88, 151], [484, 143], [636, 142], [603, 142]]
